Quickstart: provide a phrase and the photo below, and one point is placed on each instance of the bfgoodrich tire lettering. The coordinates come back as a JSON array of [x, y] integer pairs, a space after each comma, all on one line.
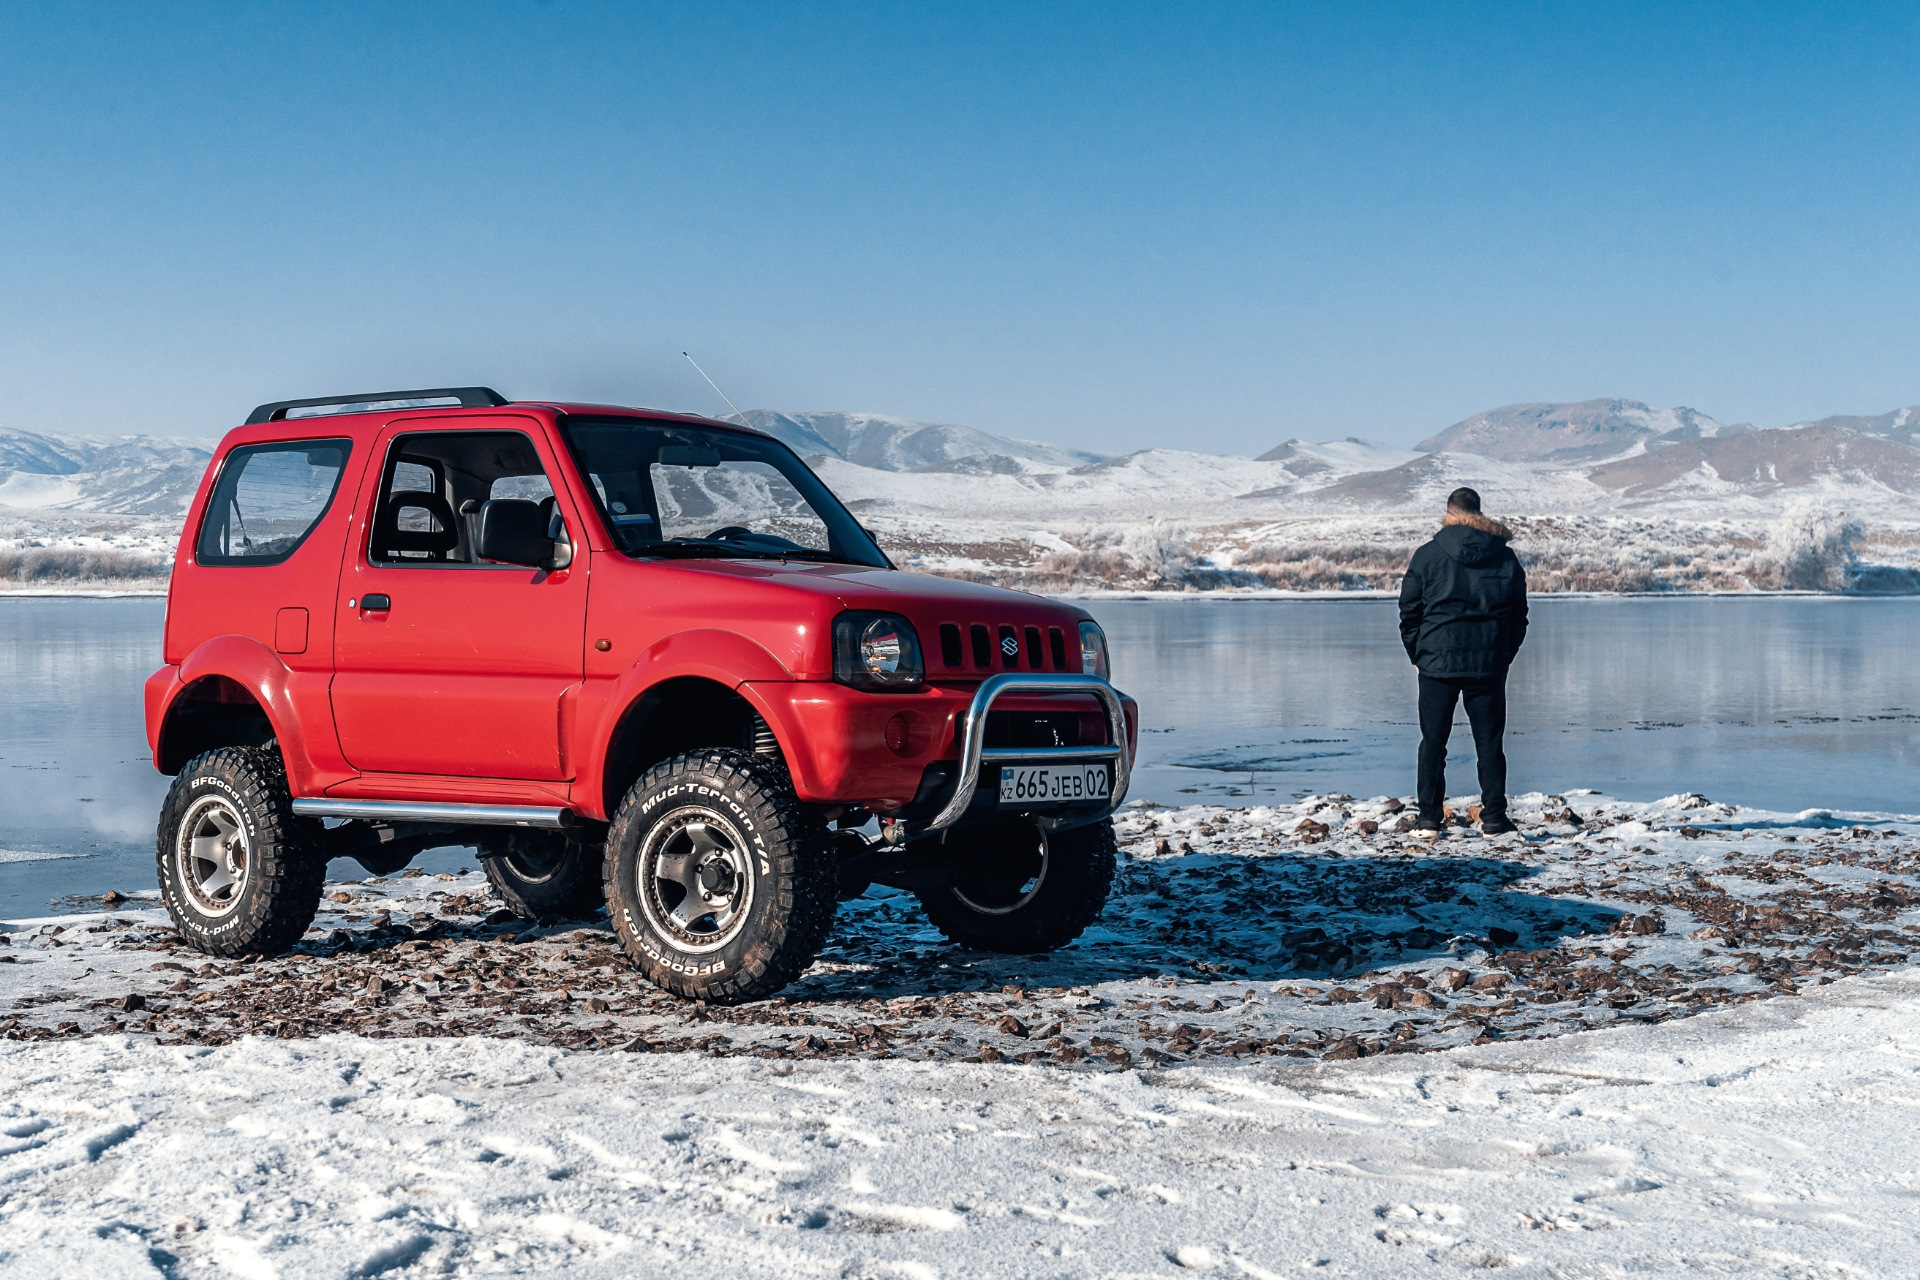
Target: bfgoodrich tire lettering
[[238, 871], [1021, 890], [721, 885]]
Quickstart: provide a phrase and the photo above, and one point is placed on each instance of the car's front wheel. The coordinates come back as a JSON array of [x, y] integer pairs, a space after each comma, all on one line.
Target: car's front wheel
[[721, 885], [239, 873], [1018, 889]]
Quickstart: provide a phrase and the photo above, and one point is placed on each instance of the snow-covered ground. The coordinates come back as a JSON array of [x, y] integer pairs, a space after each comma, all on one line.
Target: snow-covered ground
[[1771, 1139], [1671, 1037]]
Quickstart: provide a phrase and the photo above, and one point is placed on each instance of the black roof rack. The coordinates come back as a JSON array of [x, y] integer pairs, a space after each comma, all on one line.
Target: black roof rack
[[465, 397]]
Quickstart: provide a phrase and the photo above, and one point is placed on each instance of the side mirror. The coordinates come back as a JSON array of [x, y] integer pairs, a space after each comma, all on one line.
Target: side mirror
[[512, 532]]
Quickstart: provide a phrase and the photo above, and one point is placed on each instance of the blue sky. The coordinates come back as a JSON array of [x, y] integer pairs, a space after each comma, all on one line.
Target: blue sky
[[1208, 226]]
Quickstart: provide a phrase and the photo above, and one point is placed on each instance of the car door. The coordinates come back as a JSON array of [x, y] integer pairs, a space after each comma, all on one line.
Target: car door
[[447, 664]]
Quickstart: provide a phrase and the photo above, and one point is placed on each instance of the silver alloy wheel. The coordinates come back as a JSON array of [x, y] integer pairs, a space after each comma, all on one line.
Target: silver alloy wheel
[[212, 856], [1021, 894], [696, 878]]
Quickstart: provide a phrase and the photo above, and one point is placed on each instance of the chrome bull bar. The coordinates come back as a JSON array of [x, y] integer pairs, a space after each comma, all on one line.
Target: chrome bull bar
[[973, 748]]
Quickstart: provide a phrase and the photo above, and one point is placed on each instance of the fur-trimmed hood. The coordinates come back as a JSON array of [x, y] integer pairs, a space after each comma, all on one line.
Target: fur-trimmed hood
[[1474, 520], [1472, 539]]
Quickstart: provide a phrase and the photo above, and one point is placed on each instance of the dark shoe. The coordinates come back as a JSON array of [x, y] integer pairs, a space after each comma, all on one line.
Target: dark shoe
[[1496, 824], [1425, 828]]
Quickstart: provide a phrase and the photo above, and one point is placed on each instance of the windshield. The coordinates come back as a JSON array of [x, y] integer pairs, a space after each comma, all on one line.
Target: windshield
[[673, 490]]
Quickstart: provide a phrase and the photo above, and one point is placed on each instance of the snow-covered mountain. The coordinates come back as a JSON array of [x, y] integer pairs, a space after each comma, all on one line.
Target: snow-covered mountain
[[1898, 424], [1586, 431], [1622, 485], [120, 475], [902, 444], [1764, 462]]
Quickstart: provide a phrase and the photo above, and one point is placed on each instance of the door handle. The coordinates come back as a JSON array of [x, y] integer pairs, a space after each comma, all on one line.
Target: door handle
[[375, 602]]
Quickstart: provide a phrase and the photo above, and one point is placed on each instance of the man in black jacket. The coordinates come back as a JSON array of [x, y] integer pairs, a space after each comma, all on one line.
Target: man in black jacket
[[1463, 614]]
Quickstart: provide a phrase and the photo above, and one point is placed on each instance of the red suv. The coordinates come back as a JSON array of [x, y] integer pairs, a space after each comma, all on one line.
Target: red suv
[[634, 658]]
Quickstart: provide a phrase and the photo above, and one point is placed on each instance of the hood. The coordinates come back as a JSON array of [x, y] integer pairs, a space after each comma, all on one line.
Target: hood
[[1472, 539], [966, 629], [860, 587]]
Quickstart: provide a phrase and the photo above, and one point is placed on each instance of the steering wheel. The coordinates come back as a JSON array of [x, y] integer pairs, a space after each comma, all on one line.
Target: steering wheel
[[731, 531]]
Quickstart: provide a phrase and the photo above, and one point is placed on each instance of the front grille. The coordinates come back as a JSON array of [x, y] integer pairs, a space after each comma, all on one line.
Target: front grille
[[1003, 646], [982, 646]]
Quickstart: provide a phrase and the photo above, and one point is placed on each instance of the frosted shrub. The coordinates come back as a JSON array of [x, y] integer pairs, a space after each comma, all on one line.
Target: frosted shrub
[[1809, 549], [1155, 556], [55, 566]]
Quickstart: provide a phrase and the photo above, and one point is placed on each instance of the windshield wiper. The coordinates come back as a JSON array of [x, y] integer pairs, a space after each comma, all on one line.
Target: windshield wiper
[[702, 547], [727, 549], [824, 557]]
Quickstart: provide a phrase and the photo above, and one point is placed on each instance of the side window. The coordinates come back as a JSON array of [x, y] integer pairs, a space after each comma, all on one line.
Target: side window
[[268, 499], [438, 485]]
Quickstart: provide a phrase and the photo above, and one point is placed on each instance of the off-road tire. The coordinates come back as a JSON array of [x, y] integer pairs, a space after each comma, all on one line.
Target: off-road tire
[[755, 840], [543, 876], [265, 909], [1010, 897]]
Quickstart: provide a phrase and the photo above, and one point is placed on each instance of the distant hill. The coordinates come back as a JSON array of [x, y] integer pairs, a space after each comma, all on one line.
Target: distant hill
[[1596, 457], [118, 475], [1897, 424], [1761, 462], [904, 444], [1584, 432]]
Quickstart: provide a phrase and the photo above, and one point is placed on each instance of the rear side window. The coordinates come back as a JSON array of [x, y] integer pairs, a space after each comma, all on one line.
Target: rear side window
[[268, 499]]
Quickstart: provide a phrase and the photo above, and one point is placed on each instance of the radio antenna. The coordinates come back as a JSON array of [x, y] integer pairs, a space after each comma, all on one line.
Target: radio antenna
[[716, 387]]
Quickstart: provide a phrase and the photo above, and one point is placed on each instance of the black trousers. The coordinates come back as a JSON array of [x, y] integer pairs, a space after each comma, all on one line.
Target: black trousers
[[1486, 699]]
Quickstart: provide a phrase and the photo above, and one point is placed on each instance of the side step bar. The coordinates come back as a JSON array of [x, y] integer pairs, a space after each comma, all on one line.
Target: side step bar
[[487, 815]]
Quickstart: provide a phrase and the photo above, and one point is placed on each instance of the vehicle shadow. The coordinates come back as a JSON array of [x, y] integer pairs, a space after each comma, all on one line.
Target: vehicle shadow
[[1196, 917], [1214, 917]]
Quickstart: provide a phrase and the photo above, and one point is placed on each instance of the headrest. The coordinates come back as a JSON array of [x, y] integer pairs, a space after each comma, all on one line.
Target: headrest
[[388, 536]]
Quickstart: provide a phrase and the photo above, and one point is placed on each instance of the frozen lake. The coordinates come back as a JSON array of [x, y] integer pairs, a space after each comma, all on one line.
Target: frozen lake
[[1790, 703]]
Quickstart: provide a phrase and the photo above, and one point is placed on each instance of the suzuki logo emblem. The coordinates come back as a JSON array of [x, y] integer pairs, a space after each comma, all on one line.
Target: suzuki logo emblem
[[1010, 646]]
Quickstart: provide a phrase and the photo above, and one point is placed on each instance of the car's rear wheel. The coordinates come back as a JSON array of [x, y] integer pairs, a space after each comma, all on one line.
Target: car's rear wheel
[[1018, 889], [543, 876], [722, 886], [238, 872]]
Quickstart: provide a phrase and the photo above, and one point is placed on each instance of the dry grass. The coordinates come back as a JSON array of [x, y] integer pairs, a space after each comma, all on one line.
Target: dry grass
[[76, 566]]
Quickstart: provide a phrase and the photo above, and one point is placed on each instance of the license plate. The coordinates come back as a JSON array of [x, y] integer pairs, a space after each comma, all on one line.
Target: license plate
[[1053, 784]]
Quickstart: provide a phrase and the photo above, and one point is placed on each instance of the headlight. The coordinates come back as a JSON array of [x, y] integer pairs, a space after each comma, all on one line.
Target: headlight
[[1093, 651], [876, 651]]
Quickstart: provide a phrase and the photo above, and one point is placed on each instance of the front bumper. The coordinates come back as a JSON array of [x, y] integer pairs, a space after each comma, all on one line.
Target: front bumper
[[974, 752], [920, 755]]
